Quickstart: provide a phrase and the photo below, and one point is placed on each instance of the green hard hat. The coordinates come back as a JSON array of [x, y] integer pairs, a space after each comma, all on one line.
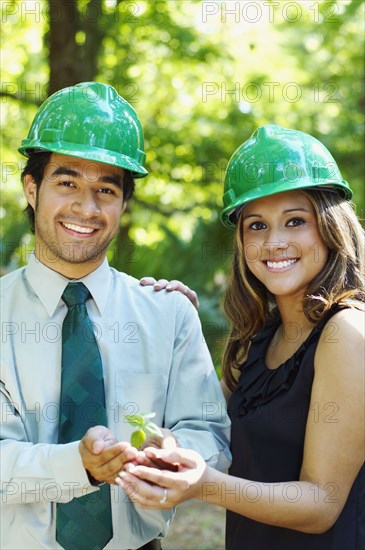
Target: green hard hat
[[91, 121], [274, 160]]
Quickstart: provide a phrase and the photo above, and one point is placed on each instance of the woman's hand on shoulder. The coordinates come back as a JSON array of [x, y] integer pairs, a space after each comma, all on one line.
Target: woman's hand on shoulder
[[170, 286]]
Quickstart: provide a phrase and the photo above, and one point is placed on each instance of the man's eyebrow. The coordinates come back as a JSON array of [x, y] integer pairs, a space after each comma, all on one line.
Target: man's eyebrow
[[115, 180], [64, 171]]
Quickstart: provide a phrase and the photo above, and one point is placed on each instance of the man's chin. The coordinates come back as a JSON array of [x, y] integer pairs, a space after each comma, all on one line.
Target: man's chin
[[76, 259], [80, 255], [70, 253]]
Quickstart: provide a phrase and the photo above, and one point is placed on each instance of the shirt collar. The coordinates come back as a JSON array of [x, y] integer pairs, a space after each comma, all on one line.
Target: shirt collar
[[50, 285]]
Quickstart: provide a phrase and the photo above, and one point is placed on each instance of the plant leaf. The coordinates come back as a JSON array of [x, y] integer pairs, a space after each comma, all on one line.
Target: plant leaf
[[152, 428], [149, 415], [137, 438], [135, 420]]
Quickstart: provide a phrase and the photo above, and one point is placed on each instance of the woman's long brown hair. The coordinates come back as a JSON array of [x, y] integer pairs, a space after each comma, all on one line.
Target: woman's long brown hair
[[248, 303]]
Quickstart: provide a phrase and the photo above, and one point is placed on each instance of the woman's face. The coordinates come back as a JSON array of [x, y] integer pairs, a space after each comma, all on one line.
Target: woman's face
[[282, 244]]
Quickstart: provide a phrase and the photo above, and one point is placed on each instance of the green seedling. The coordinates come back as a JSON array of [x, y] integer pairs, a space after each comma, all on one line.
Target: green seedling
[[144, 427]]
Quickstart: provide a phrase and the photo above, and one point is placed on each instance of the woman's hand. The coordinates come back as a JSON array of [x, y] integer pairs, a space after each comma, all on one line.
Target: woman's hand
[[162, 489], [167, 442], [164, 284]]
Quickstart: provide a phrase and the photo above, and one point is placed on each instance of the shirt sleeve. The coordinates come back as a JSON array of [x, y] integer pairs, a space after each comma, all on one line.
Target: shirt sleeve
[[195, 407], [31, 473]]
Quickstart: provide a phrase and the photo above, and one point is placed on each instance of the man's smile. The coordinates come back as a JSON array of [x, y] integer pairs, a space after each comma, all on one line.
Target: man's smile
[[78, 228]]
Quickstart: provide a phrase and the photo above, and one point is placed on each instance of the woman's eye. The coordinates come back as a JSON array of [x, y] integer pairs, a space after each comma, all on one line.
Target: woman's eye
[[295, 222], [256, 226]]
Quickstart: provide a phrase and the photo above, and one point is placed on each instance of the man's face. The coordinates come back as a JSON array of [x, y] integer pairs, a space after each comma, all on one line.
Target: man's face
[[77, 213]]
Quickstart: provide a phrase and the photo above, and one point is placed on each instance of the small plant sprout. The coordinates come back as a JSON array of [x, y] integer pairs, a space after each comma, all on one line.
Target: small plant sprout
[[144, 427]]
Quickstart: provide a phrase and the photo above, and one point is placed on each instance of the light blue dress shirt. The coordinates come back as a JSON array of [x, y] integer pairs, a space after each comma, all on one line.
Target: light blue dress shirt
[[154, 359]]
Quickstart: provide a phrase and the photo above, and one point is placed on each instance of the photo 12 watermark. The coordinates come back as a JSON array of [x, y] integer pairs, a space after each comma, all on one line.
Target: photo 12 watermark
[[51, 332], [37, 92], [253, 492], [36, 492], [272, 12], [271, 91], [80, 12]]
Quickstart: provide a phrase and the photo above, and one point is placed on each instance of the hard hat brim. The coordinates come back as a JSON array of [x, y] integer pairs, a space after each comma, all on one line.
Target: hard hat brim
[[86, 152], [229, 219]]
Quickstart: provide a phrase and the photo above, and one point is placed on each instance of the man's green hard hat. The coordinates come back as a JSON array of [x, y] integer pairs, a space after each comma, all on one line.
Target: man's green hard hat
[[274, 160], [91, 121]]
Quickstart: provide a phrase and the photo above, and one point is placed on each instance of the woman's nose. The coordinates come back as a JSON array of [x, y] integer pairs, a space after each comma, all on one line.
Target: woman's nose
[[275, 244]]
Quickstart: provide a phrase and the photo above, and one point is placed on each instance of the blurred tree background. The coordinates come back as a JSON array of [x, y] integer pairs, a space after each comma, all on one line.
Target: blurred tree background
[[202, 75]]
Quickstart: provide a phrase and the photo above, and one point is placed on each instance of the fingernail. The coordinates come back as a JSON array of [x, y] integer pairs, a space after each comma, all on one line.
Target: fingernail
[[130, 467], [168, 287], [122, 474]]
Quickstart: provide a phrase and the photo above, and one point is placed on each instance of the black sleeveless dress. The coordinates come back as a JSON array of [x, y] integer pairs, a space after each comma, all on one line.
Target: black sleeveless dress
[[269, 410]]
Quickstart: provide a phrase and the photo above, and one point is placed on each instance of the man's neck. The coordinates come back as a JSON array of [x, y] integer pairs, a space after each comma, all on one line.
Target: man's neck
[[71, 270]]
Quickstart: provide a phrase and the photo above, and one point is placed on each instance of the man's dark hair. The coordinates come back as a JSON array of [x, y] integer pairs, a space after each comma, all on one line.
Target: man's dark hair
[[36, 165]]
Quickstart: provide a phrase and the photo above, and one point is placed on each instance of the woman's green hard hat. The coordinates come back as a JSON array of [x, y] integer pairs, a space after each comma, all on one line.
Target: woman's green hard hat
[[274, 160], [91, 121]]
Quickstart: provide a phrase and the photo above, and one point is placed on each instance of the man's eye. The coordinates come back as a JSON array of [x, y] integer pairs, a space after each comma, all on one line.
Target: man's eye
[[256, 226], [106, 191], [66, 183], [295, 222]]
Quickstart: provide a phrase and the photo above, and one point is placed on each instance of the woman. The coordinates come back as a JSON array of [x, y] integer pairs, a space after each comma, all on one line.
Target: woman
[[293, 367]]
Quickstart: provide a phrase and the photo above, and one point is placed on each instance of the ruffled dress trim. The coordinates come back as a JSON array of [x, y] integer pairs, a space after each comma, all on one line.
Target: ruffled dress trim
[[258, 384]]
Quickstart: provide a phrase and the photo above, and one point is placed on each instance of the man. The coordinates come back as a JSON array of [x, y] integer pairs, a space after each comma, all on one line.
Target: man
[[63, 426]]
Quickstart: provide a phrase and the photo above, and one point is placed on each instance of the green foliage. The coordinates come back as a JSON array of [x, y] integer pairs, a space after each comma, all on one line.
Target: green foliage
[[144, 427], [201, 82]]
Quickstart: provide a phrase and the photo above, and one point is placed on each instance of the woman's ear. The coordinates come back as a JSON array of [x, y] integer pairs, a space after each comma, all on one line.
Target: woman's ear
[[30, 190]]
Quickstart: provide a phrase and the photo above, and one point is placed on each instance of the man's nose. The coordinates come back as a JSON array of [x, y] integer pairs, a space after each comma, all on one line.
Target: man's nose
[[86, 204]]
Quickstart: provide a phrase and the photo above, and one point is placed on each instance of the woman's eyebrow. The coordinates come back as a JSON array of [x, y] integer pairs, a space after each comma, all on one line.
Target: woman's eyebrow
[[286, 211], [252, 216], [295, 210]]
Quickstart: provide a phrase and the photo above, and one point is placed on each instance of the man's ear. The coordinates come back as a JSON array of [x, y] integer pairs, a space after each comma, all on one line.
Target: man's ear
[[124, 206], [30, 190]]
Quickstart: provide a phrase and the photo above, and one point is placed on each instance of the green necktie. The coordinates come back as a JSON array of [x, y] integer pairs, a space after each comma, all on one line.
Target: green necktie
[[85, 523]]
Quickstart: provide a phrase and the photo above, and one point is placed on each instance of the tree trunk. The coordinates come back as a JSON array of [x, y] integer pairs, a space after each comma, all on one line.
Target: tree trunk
[[63, 51], [90, 25], [70, 62]]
